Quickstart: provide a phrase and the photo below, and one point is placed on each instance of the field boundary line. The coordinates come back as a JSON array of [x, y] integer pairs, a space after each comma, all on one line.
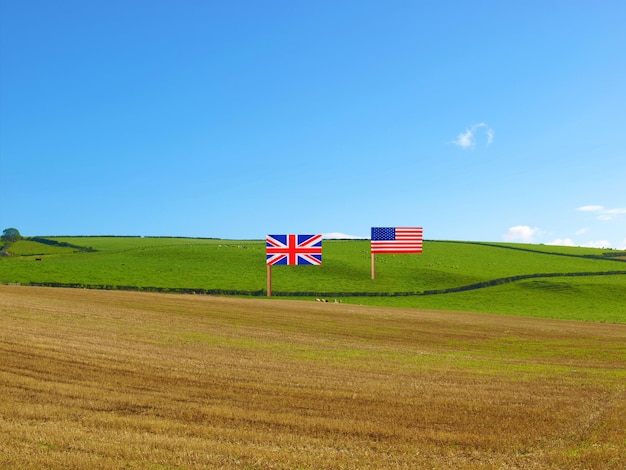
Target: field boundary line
[[606, 257], [262, 292]]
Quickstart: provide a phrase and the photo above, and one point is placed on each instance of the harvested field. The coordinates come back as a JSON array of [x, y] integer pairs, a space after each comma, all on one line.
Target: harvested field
[[110, 379]]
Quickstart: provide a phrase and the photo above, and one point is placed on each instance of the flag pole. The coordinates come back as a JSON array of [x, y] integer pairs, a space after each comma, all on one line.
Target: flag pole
[[373, 266], [269, 280]]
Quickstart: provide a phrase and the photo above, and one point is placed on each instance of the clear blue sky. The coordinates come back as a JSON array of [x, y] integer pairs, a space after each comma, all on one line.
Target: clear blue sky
[[487, 120]]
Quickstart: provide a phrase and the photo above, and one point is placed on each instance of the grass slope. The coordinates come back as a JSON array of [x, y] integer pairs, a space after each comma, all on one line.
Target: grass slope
[[109, 379], [239, 267]]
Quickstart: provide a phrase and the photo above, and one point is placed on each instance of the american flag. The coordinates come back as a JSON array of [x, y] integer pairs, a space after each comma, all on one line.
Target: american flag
[[293, 249], [396, 240]]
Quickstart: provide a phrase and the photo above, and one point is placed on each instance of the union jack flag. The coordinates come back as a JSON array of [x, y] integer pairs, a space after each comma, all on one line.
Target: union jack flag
[[293, 249]]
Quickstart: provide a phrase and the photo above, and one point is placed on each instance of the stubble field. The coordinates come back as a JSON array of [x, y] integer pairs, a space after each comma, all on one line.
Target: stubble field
[[111, 379]]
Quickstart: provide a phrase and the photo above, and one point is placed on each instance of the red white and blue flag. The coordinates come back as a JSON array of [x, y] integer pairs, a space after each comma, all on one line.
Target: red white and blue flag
[[396, 240], [293, 249]]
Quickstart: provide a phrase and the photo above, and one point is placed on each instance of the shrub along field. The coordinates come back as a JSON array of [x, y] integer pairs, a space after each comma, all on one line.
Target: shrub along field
[[112, 379], [516, 279]]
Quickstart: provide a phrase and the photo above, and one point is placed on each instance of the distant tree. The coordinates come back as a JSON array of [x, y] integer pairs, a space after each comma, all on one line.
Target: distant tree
[[11, 235]]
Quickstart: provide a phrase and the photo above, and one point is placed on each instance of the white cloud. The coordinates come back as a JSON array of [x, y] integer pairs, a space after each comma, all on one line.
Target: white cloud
[[340, 235], [562, 242], [590, 244], [609, 217], [598, 244], [490, 135], [591, 208], [603, 214], [467, 139], [522, 233]]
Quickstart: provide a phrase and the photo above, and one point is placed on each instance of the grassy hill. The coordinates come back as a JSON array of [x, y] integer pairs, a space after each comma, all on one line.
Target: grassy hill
[[516, 279]]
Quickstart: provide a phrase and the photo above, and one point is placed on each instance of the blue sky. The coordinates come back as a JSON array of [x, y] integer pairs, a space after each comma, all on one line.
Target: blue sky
[[486, 121]]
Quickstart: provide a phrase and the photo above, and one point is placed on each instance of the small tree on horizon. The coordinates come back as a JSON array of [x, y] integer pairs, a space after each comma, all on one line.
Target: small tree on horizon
[[11, 235]]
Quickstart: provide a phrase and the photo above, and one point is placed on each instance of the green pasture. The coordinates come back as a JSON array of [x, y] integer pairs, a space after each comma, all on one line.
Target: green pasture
[[589, 298], [569, 288]]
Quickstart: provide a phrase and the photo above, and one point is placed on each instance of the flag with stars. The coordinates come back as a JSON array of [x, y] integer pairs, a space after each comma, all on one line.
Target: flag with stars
[[396, 240]]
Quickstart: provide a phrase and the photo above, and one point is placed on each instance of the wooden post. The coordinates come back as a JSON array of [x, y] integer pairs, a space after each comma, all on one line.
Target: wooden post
[[269, 280], [373, 266]]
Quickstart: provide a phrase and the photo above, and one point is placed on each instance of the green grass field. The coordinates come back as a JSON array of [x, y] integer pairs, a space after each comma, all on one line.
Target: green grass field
[[560, 281]]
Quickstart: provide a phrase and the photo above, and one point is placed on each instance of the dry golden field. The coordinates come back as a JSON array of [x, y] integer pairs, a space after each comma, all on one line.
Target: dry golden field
[[108, 379]]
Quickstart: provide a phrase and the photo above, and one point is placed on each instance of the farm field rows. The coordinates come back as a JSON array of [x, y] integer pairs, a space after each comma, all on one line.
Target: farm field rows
[[562, 283], [112, 379]]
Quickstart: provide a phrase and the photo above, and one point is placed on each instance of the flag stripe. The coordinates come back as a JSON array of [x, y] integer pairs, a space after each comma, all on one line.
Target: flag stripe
[[396, 240]]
